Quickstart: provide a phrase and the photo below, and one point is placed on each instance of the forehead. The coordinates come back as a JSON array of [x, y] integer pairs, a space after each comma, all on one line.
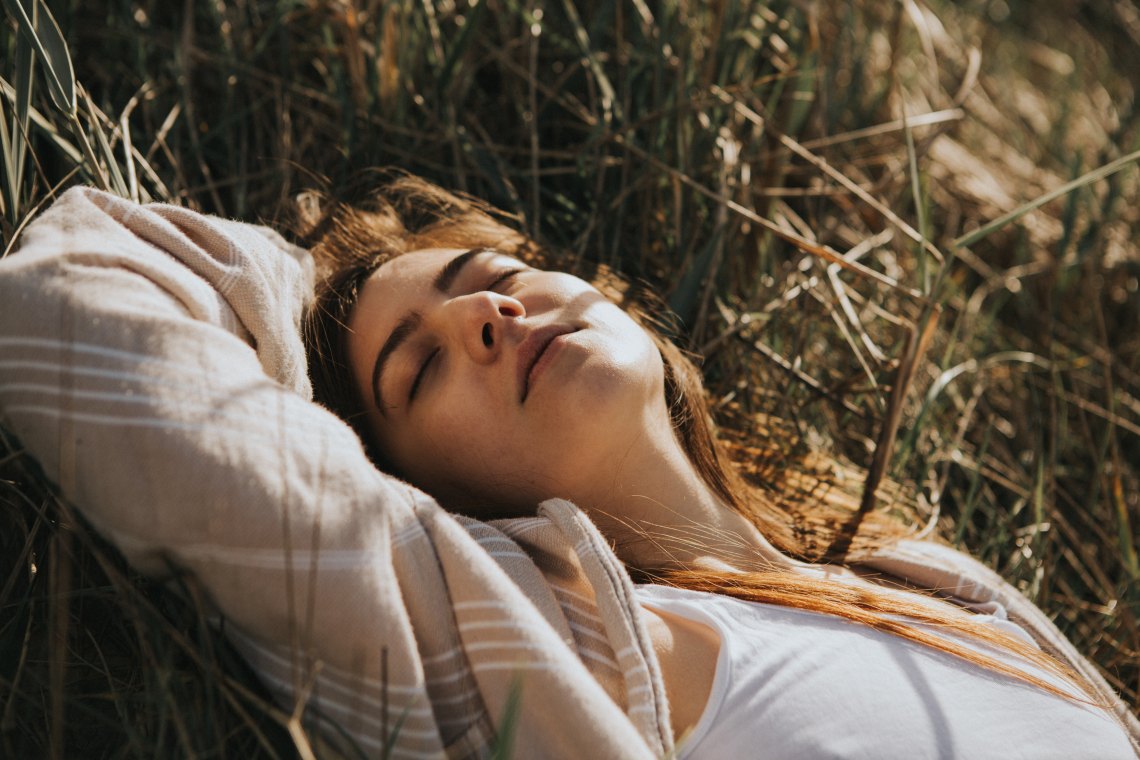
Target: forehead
[[409, 269], [397, 282]]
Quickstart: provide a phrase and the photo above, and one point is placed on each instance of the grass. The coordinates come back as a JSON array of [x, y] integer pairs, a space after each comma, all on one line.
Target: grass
[[807, 185]]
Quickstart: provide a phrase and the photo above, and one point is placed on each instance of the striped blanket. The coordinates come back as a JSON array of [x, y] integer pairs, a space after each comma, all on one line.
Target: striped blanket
[[150, 359]]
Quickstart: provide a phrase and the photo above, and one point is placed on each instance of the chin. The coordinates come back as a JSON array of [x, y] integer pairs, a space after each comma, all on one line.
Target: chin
[[607, 402]]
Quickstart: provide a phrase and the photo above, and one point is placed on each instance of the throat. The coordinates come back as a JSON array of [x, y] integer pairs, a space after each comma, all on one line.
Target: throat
[[680, 523], [661, 515]]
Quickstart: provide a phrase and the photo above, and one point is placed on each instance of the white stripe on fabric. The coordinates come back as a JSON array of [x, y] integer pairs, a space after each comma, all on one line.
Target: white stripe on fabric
[[399, 751], [522, 525], [535, 666], [450, 677], [574, 594], [367, 735], [510, 625], [123, 398], [607, 661], [241, 424], [276, 559], [423, 714], [457, 698], [101, 372], [482, 646], [509, 555], [324, 685], [206, 402], [495, 538], [442, 656], [588, 632], [590, 617], [408, 533], [482, 604], [68, 347], [354, 677], [129, 358]]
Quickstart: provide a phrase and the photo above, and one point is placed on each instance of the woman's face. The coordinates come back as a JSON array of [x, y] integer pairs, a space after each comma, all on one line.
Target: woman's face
[[493, 386]]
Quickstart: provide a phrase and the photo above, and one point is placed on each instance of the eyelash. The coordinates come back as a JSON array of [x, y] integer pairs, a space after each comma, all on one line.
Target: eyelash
[[499, 278], [420, 375]]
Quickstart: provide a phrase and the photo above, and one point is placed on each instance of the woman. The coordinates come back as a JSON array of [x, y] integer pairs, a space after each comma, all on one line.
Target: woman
[[153, 365], [495, 385]]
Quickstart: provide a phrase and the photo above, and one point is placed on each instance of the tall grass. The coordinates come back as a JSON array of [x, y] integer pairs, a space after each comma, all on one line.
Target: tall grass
[[808, 184]]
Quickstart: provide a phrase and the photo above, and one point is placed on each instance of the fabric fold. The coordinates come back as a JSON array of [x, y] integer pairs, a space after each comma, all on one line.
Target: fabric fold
[[150, 360]]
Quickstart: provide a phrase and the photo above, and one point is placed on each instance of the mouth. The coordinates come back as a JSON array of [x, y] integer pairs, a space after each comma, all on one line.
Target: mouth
[[532, 350]]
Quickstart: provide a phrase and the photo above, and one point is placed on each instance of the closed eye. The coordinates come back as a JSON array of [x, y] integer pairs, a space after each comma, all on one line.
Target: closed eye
[[502, 277], [431, 357]]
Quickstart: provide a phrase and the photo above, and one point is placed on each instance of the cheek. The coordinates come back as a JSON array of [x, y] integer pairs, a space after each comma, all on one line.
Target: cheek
[[457, 438], [626, 359]]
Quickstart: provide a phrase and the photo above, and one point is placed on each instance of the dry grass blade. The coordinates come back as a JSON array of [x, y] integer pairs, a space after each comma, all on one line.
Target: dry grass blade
[[824, 252], [115, 181], [603, 127], [9, 198], [918, 341], [839, 176], [1085, 179], [944, 116]]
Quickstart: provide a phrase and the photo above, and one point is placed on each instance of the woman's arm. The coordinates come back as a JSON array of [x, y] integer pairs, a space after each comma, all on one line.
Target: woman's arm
[[149, 359]]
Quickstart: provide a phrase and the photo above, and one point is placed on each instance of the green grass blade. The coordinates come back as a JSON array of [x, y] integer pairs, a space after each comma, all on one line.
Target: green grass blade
[[8, 197], [461, 45], [25, 68], [1085, 179], [13, 135], [973, 495], [919, 208], [46, 127], [43, 33], [508, 725], [610, 104]]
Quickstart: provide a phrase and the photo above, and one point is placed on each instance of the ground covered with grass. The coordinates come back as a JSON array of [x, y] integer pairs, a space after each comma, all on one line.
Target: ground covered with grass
[[811, 186]]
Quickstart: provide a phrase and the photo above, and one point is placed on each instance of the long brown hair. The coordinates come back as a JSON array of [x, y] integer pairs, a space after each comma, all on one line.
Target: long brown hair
[[350, 241]]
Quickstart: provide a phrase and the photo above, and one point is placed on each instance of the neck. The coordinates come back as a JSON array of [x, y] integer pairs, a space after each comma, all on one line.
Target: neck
[[661, 515]]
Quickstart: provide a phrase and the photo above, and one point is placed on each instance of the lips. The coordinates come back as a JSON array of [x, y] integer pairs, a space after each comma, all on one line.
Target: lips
[[531, 350]]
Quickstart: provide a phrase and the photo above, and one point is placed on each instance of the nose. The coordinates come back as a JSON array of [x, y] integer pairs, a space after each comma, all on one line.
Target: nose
[[480, 322]]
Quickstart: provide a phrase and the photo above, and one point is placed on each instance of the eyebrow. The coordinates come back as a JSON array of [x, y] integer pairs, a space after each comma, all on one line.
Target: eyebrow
[[450, 272], [411, 321], [399, 336]]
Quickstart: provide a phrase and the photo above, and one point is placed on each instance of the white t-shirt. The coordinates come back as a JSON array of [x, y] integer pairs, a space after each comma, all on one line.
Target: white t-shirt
[[803, 685]]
